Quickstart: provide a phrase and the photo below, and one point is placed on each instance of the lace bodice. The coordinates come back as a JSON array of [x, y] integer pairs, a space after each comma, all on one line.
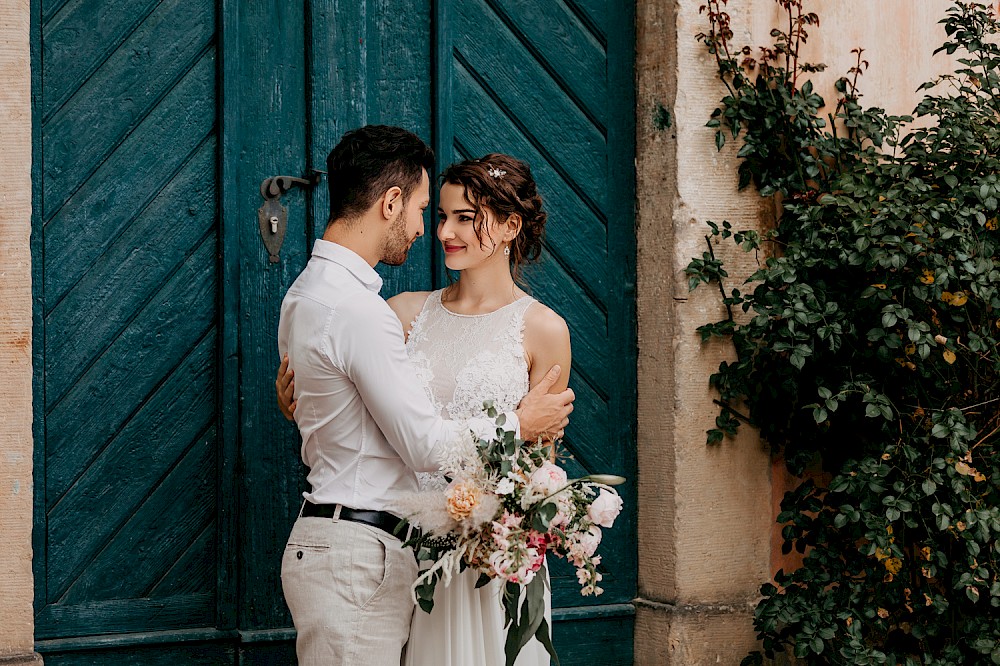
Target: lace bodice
[[466, 359]]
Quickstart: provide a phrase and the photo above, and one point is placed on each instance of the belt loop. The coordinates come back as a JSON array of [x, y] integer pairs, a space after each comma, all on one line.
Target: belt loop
[[336, 512]]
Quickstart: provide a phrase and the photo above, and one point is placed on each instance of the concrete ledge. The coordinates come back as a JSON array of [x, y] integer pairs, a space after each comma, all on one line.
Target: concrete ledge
[[693, 635], [19, 659]]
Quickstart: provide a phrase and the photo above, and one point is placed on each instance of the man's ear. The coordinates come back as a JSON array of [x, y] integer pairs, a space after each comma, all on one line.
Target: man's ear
[[513, 225], [392, 202]]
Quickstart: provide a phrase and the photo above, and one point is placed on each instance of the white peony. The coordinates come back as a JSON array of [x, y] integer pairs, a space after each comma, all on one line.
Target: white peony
[[605, 508], [548, 478]]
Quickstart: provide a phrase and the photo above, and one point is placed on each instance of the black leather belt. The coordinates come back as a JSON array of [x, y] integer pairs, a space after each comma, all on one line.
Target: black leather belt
[[383, 520]]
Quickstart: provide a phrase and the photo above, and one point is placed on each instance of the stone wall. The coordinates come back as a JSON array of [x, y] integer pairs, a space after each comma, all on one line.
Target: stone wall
[[16, 588], [706, 513]]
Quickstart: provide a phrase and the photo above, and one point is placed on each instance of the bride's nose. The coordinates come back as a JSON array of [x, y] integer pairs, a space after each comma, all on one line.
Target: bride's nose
[[445, 231]]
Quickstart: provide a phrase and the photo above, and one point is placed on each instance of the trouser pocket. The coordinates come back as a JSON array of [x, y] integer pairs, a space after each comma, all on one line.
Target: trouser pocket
[[371, 566]]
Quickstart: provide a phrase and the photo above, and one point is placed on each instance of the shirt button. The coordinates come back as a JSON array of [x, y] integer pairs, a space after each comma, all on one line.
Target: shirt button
[[299, 554]]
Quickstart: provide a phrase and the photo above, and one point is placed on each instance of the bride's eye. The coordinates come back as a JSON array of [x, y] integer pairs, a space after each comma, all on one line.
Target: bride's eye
[[465, 218]]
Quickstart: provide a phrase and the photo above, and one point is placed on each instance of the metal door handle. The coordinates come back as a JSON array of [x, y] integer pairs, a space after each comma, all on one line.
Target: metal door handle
[[272, 217]]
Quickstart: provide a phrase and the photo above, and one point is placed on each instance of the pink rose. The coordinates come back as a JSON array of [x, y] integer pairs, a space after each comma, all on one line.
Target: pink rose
[[605, 508], [548, 478]]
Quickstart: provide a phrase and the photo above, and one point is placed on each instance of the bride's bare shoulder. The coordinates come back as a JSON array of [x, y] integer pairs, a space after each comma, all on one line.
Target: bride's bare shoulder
[[546, 343], [544, 326], [407, 305]]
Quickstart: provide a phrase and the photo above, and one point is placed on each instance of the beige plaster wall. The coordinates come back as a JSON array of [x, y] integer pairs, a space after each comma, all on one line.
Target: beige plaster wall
[[706, 514], [16, 589]]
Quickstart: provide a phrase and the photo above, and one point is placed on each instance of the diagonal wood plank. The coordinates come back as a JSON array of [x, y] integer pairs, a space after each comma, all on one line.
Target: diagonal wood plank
[[140, 262], [493, 56], [483, 129], [149, 446], [568, 52], [587, 324], [593, 14], [81, 37], [114, 388], [175, 511], [193, 571], [122, 93], [50, 8], [84, 228]]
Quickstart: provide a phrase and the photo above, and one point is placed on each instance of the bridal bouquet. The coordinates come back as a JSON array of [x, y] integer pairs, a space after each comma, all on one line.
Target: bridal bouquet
[[505, 507]]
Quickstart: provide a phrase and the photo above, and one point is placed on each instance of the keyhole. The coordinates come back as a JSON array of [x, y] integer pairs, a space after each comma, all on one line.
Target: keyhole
[[274, 225]]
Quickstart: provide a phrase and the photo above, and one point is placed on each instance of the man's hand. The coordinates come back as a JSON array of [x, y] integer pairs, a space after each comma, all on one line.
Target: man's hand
[[284, 386], [542, 413]]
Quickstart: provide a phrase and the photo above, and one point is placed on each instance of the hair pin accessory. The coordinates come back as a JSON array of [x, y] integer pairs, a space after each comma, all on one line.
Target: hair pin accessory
[[495, 172]]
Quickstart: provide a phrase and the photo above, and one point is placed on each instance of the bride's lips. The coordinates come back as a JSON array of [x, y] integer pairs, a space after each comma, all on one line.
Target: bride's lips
[[449, 249]]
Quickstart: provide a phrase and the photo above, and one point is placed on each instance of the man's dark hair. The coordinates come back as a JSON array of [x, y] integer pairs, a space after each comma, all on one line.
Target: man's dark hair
[[370, 160]]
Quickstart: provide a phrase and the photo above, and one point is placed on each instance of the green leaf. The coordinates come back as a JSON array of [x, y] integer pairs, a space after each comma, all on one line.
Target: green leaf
[[544, 636]]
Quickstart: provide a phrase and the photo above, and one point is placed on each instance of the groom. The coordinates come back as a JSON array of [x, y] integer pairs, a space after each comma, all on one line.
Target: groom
[[366, 424]]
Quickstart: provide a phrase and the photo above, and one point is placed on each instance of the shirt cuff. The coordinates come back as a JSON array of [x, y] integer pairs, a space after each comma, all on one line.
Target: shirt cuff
[[513, 423]]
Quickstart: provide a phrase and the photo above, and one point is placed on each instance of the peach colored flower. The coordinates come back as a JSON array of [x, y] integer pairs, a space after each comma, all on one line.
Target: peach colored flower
[[462, 498]]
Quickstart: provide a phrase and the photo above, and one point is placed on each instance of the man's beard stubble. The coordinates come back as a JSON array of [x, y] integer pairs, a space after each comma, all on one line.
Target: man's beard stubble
[[395, 245]]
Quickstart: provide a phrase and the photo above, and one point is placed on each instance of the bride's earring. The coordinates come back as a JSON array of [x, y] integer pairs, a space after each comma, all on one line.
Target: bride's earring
[[506, 251]]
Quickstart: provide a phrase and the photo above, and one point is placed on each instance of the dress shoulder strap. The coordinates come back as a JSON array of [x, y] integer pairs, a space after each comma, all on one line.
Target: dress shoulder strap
[[419, 322]]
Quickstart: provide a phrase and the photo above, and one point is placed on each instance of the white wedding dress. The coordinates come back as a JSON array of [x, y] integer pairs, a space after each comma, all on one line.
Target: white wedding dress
[[464, 360]]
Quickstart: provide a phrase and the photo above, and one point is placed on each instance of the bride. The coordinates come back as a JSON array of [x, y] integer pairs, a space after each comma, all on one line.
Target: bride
[[480, 338]]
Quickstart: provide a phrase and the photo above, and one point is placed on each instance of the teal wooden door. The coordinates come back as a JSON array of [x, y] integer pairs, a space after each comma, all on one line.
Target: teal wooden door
[[551, 83], [131, 545], [166, 481]]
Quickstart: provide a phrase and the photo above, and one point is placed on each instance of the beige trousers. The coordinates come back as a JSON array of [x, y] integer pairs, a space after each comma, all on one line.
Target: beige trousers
[[348, 588]]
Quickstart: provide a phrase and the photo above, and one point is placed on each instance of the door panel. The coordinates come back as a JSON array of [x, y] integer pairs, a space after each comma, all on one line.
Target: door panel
[[126, 238], [532, 79], [369, 63], [166, 480]]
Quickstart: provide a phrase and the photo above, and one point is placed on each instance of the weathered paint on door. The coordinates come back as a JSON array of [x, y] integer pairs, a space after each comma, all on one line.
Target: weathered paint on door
[[166, 480], [551, 82]]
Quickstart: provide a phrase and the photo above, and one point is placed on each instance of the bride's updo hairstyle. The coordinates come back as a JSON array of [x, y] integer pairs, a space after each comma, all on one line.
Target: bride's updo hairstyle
[[505, 186]]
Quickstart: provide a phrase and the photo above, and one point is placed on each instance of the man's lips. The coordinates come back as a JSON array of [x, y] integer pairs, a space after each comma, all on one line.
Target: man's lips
[[449, 249]]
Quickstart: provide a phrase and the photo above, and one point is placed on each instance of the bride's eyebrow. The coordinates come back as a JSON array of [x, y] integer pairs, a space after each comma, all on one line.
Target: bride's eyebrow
[[458, 210]]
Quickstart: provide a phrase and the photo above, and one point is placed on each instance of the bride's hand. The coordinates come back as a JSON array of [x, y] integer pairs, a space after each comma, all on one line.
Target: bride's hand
[[284, 386]]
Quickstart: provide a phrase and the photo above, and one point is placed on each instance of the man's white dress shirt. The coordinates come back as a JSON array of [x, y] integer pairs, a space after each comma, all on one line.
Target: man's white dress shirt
[[366, 422]]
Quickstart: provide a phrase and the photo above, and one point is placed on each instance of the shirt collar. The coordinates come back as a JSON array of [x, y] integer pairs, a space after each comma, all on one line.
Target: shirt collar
[[350, 260]]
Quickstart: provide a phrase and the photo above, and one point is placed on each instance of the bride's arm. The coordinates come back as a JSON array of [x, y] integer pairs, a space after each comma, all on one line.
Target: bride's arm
[[546, 343]]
